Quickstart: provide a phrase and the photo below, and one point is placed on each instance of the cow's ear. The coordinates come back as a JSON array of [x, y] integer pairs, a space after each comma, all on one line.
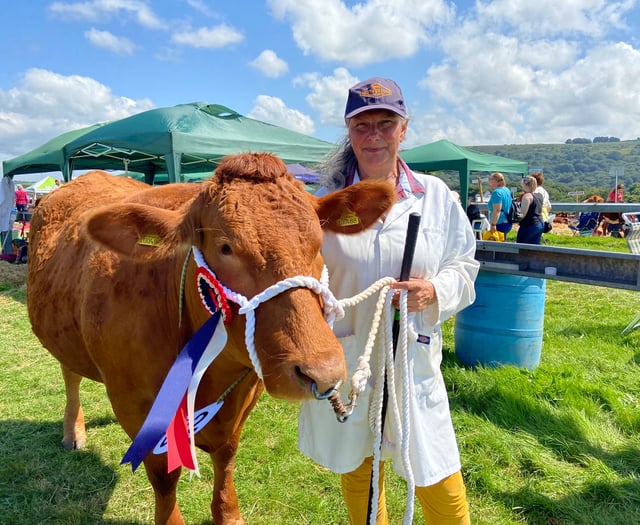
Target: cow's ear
[[133, 230], [355, 208]]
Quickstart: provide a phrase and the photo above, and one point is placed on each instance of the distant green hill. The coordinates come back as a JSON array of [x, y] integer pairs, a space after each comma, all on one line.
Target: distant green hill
[[577, 167]]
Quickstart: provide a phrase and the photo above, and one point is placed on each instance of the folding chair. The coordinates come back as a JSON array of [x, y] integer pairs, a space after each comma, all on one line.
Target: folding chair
[[632, 223], [587, 222], [480, 226]]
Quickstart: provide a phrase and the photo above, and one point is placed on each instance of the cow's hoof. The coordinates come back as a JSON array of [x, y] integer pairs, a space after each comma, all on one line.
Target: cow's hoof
[[74, 445]]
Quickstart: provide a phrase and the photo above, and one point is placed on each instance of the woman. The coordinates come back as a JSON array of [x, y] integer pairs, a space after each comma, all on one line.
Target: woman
[[616, 194], [499, 204], [546, 202], [531, 226], [22, 198], [441, 284]]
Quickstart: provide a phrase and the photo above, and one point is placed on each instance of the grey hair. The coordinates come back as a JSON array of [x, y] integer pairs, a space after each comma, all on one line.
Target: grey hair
[[333, 168]]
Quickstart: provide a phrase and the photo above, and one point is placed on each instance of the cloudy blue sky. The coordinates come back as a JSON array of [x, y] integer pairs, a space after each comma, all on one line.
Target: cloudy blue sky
[[484, 72]]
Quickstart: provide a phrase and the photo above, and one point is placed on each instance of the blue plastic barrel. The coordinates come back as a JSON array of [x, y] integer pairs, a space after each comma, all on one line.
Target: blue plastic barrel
[[504, 325]]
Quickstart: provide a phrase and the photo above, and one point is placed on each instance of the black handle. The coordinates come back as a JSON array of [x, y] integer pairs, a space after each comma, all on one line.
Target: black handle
[[413, 227]]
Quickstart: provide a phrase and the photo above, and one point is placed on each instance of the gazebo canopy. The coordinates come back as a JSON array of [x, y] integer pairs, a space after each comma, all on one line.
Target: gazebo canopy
[[443, 155], [48, 157], [188, 138]]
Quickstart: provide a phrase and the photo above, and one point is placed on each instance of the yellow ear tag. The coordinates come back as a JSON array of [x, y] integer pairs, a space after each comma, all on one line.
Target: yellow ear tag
[[348, 218], [150, 239]]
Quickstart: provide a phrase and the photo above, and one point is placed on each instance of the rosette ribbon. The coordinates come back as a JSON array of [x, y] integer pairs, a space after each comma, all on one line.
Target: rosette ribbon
[[171, 417]]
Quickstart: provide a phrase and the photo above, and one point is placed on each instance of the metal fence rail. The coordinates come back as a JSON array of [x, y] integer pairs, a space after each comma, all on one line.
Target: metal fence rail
[[599, 268]]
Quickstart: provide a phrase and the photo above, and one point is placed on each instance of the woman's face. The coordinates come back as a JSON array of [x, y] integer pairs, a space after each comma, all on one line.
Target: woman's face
[[376, 136]]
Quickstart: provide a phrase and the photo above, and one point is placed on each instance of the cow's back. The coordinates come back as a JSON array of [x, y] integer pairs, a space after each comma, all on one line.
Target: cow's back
[[63, 265]]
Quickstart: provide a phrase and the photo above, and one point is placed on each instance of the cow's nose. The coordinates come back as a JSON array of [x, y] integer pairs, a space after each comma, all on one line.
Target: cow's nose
[[321, 386]]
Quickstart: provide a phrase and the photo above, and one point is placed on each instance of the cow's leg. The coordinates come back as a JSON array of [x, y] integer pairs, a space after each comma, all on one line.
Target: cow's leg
[[74, 432], [224, 506], [164, 489], [229, 423]]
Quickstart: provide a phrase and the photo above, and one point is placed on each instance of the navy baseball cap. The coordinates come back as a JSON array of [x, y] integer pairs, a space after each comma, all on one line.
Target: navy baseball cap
[[375, 93]]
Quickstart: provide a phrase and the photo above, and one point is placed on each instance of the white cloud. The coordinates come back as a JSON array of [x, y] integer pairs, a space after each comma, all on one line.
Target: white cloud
[[327, 94], [595, 94], [508, 78], [208, 37], [99, 10], [107, 40], [46, 104], [270, 64], [550, 17], [200, 6], [366, 33], [274, 111]]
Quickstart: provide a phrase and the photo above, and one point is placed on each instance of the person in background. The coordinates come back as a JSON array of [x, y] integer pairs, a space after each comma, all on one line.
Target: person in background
[[441, 284], [546, 203], [531, 225], [22, 198], [617, 193], [499, 204], [611, 220]]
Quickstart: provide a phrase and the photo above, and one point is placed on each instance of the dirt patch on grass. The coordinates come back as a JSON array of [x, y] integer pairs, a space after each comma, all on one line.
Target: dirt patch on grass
[[560, 228], [14, 275]]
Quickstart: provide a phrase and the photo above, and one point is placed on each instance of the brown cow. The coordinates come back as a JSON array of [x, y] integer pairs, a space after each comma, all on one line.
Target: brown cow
[[107, 306]]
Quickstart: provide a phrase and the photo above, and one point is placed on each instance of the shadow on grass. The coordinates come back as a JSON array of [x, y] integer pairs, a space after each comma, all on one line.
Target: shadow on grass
[[17, 294], [596, 504], [40, 482], [615, 502]]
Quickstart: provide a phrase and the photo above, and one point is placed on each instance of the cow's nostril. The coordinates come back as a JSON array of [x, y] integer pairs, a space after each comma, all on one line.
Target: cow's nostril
[[302, 377]]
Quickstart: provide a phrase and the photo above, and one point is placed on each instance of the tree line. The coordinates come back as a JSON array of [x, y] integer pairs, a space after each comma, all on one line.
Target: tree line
[[595, 139]]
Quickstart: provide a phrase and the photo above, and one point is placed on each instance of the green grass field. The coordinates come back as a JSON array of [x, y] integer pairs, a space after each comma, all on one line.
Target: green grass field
[[559, 445]]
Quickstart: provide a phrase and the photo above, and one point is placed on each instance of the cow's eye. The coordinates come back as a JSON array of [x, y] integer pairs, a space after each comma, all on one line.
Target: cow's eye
[[225, 249]]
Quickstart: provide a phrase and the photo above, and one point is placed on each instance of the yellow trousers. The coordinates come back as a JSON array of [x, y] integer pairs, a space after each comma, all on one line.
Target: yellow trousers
[[444, 503]]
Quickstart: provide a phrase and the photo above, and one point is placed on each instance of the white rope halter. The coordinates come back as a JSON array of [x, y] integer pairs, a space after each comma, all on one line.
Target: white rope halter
[[332, 308]]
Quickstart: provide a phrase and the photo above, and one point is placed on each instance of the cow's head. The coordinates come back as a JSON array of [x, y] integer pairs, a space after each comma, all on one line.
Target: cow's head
[[256, 225]]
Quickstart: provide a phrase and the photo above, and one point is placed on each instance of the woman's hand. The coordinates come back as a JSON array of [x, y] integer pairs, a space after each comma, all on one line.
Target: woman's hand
[[421, 293]]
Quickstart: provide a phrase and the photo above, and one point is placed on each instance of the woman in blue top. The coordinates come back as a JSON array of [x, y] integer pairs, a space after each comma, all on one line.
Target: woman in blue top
[[499, 204]]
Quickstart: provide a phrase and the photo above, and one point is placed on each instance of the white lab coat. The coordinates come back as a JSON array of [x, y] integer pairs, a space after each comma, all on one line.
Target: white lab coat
[[444, 255]]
